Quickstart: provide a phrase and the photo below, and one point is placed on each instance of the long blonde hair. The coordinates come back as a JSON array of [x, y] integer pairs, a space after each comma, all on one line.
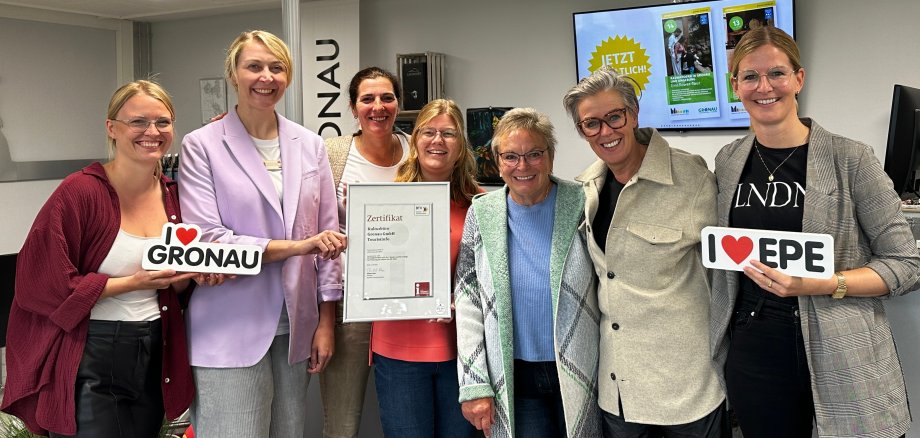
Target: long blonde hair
[[125, 93], [463, 184]]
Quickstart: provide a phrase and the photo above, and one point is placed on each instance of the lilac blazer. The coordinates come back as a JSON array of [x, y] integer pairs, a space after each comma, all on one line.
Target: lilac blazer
[[225, 189]]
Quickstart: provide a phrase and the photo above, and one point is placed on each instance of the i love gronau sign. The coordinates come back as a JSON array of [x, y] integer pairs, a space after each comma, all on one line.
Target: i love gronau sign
[[180, 248], [798, 254]]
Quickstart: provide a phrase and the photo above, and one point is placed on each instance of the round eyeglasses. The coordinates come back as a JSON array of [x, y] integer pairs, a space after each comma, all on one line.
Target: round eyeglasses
[[591, 126]]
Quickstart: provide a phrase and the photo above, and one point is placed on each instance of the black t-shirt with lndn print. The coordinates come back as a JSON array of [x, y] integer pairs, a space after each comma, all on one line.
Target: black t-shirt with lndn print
[[763, 204]]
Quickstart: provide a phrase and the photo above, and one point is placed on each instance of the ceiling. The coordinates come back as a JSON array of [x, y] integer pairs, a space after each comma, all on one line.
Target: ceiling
[[146, 10]]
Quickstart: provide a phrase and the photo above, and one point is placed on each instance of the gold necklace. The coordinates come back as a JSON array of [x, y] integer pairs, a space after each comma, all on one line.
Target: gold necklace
[[395, 156], [770, 174]]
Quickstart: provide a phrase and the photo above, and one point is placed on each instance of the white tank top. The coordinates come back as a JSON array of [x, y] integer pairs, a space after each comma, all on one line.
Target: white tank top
[[123, 260]]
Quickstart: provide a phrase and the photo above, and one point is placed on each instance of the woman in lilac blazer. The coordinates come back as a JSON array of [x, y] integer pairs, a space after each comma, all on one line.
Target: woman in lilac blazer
[[257, 178]]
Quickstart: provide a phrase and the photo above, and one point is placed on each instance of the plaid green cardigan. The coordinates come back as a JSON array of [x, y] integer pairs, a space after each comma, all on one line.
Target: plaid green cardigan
[[483, 305]]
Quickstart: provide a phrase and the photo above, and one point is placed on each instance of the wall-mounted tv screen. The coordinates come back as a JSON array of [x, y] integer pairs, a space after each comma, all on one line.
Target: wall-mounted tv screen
[[678, 56]]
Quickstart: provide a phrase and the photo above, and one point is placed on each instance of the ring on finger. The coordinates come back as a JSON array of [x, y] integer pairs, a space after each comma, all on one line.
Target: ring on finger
[[770, 285]]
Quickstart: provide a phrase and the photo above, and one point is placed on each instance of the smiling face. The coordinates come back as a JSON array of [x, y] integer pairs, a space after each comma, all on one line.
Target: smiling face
[[437, 156], [376, 106], [769, 103], [616, 147], [260, 77], [528, 180], [146, 147]]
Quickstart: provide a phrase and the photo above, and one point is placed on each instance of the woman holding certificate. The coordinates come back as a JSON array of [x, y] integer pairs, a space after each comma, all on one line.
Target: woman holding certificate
[[526, 296], [415, 362], [800, 351], [373, 154], [257, 178]]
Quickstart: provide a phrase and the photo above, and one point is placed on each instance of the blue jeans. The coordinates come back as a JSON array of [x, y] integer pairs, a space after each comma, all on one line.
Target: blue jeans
[[419, 399], [537, 400]]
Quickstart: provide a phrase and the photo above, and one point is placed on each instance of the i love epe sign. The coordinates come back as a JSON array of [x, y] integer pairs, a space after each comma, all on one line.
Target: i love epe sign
[[180, 248], [798, 254]]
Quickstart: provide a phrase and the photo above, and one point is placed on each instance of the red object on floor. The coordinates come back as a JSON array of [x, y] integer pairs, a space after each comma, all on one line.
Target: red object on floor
[[189, 433]]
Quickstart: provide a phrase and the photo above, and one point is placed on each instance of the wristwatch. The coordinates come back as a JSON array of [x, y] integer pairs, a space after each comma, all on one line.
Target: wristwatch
[[841, 286]]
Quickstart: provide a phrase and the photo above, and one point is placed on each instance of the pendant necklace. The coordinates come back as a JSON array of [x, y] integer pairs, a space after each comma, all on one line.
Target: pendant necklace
[[769, 173], [395, 156]]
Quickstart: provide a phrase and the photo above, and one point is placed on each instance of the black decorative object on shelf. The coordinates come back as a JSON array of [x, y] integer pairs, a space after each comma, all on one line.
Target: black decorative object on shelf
[[415, 85], [422, 78]]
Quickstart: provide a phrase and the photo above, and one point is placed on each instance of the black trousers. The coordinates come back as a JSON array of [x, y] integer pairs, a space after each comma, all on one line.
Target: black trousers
[[118, 392], [713, 425], [769, 386]]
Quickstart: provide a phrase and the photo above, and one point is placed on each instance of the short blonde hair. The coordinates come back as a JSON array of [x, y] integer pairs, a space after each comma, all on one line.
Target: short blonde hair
[[463, 184], [274, 45], [527, 119]]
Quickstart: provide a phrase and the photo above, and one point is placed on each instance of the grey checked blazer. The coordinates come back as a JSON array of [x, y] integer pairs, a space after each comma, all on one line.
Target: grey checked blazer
[[856, 378]]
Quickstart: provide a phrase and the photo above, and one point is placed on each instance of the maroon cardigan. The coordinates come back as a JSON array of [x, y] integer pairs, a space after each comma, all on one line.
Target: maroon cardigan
[[56, 288]]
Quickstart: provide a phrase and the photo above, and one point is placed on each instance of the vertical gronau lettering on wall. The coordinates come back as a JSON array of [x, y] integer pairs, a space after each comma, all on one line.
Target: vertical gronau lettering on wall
[[328, 76]]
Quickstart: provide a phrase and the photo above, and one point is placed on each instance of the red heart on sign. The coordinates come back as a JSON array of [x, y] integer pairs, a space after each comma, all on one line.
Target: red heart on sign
[[186, 235], [737, 249]]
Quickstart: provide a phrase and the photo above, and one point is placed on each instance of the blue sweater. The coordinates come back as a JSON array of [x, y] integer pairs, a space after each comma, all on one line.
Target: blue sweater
[[530, 233]]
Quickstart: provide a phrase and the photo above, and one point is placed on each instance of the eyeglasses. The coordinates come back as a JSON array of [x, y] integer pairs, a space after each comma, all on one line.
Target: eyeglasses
[[591, 126], [431, 133], [778, 77], [140, 125], [512, 159]]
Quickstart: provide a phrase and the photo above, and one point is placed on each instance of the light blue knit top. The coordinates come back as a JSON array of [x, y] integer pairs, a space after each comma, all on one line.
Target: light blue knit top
[[530, 234]]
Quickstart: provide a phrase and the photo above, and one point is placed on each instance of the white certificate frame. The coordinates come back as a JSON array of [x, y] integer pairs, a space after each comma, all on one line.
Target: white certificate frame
[[388, 243]]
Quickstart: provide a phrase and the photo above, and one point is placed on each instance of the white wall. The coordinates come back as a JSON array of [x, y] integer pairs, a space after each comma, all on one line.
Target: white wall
[[521, 53], [185, 51], [45, 70]]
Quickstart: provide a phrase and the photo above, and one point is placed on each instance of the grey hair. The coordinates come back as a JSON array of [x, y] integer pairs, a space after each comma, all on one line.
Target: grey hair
[[527, 119], [603, 79]]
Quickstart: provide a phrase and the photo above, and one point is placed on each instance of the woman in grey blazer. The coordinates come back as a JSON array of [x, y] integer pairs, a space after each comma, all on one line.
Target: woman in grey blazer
[[804, 351]]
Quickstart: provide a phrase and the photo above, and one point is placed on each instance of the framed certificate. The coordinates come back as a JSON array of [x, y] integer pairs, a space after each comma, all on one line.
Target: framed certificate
[[397, 265]]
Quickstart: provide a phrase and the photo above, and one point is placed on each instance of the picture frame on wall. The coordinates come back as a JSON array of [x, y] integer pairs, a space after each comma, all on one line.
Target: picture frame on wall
[[213, 98], [480, 125]]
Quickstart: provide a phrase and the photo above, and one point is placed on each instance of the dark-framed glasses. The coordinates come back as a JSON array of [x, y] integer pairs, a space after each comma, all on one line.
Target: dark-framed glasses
[[431, 133], [511, 159], [140, 124], [778, 77], [591, 126]]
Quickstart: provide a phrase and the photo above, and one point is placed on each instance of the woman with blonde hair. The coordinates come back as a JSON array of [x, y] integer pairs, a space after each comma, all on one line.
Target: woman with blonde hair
[[257, 178], [96, 346], [805, 351], [415, 362]]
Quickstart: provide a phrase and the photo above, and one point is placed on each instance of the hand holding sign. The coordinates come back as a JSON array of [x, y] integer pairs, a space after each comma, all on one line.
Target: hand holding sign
[[795, 254], [782, 263], [181, 250]]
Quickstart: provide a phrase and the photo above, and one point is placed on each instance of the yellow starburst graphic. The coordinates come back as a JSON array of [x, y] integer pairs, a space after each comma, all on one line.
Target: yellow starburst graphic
[[626, 56]]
